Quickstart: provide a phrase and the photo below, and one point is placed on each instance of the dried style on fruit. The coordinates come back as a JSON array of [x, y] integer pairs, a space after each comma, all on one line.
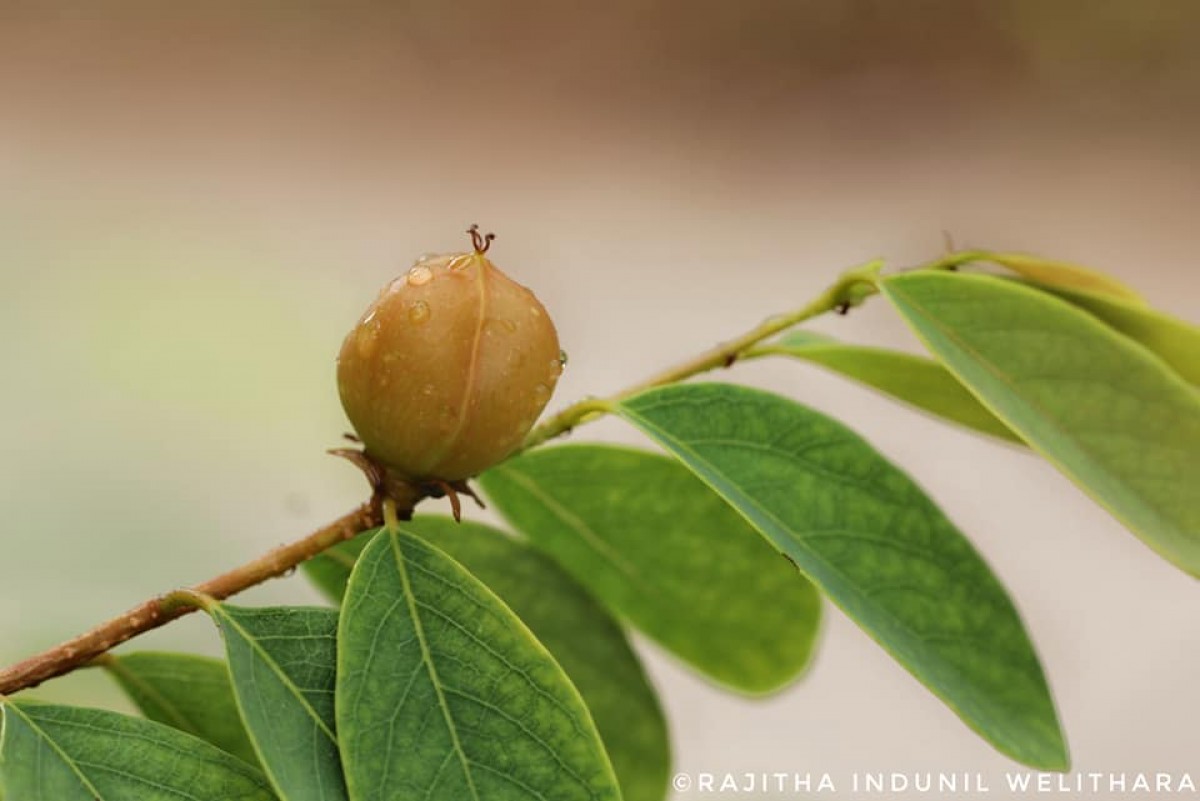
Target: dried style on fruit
[[447, 370]]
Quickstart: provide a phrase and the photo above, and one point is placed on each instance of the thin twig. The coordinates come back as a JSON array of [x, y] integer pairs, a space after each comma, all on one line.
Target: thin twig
[[851, 289], [162, 609]]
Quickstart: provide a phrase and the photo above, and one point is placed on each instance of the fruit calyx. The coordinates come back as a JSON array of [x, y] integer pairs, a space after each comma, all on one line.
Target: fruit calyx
[[404, 493]]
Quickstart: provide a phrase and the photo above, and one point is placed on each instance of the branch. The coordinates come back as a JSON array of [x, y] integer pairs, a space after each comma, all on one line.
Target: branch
[[852, 288], [162, 609]]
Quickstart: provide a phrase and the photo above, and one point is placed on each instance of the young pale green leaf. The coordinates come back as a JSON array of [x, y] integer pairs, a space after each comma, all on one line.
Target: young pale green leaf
[[1105, 411], [1062, 275], [915, 380], [576, 630], [874, 543], [191, 693], [1174, 341], [443, 694], [59, 753], [663, 551], [283, 661]]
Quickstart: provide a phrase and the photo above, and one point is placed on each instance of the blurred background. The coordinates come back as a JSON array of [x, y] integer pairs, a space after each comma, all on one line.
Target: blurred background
[[198, 200]]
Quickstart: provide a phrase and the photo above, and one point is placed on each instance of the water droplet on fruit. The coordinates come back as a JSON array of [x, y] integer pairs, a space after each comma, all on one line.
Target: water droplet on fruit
[[418, 312], [419, 275], [401, 372]]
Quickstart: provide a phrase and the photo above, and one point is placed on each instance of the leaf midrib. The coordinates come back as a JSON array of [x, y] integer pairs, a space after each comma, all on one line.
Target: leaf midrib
[[283, 677], [427, 658]]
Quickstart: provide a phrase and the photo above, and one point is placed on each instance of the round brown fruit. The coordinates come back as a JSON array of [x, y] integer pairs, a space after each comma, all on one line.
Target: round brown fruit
[[447, 370]]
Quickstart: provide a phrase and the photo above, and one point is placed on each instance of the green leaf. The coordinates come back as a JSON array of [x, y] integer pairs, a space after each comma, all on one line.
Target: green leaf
[[330, 570], [444, 695], [59, 753], [1174, 341], [874, 543], [1066, 276], [576, 630], [1110, 415], [191, 693], [915, 380], [663, 551], [283, 662]]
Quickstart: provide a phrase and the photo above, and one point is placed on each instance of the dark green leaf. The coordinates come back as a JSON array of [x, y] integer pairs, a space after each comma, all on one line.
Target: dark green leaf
[[915, 380], [1110, 415], [662, 550], [1174, 341], [576, 630], [444, 695], [59, 753], [874, 543], [191, 693], [283, 662]]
